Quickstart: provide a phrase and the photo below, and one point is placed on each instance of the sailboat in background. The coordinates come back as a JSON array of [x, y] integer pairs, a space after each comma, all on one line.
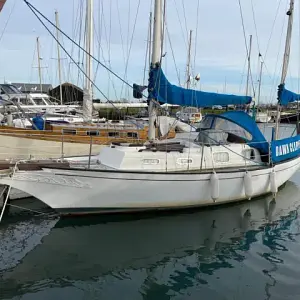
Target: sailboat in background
[[230, 160], [54, 140]]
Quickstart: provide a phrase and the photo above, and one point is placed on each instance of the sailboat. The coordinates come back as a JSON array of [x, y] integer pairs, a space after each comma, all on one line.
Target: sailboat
[[230, 160]]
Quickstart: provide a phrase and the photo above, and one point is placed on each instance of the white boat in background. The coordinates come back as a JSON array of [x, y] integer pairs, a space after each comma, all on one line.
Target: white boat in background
[[13, 100], [261, 117], [121, 105], [190, 115]]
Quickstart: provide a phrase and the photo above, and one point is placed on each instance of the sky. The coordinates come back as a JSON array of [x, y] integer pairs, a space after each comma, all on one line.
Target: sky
[[120, 41]]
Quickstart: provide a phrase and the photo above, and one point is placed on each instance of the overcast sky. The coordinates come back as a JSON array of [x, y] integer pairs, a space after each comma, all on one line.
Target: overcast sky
[[218, 53]]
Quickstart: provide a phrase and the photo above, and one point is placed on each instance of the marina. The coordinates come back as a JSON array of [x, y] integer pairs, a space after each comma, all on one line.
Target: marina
[[136, 166]]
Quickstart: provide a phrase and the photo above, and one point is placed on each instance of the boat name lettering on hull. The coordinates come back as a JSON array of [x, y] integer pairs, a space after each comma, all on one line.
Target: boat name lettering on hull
[[287, 148]]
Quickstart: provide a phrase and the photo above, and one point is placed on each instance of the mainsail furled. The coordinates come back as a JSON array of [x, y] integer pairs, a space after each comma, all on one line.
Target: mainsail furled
[[2, 2], [285, 96], [163, 91]]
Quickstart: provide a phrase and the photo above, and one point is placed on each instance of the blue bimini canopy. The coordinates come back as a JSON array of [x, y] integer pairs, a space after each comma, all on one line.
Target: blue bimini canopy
[[285, 96], [163, 91], [240, 123]]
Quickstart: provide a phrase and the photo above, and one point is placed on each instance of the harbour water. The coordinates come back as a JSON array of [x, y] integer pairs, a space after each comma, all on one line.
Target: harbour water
[[248, 250]]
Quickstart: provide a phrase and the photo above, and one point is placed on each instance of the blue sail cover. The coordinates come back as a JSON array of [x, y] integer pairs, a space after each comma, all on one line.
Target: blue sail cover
[[163, 91], [285, 96]]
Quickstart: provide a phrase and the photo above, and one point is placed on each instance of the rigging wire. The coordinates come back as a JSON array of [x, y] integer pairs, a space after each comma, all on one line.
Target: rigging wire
[[130, 45], [7, 21], [268, 73], [184, 15], [180, 23], [32, 64], [37, 12], [73, 36], [255, 26], [173, 55], [273, 27], [80, 59], [258, 46], [99, 25], [102, 52], [245, 40], [243, 74], [262, 58], [196, 35], [121, 31], [84, 73], [274, 84]]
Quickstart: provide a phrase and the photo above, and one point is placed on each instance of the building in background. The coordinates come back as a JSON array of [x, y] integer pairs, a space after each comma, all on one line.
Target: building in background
[[70, 92]]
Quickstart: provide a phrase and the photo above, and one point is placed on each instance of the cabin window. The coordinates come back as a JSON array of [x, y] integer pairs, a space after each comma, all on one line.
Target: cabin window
[[132, 135], [150, 161], [38, 101], [26, 101], [221, 157], [93, 133], [184, 161], [113, 134], [69, 131]]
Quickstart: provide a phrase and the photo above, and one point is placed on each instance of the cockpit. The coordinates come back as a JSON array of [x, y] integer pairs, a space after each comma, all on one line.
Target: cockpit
[[231, 127], [217, 130]]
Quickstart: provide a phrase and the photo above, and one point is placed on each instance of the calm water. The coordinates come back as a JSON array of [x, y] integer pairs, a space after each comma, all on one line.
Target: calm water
[[244, 251]]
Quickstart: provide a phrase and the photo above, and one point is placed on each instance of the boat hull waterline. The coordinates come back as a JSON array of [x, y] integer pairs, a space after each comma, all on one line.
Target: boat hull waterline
[[71, 191]]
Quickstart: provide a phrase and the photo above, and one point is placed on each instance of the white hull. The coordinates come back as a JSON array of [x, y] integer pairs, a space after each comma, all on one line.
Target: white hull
[[145, 242], [81, 191], [22, 148]]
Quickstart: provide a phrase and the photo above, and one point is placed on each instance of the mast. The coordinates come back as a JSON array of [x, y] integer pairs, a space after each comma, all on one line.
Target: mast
[[58, 57], [88, 88], [156, 57], [148, 47], [259, 83], [39, 62], [150, 37], [249, 65], [286, 58], [188, 65], [225, 85]]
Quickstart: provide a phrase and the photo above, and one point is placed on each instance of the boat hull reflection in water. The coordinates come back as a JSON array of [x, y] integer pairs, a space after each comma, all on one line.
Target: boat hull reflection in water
[[233, 252]]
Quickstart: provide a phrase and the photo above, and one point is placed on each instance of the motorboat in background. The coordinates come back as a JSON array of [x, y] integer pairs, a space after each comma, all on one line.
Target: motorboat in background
[[260, 116], [190, 115], [13, 100]]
